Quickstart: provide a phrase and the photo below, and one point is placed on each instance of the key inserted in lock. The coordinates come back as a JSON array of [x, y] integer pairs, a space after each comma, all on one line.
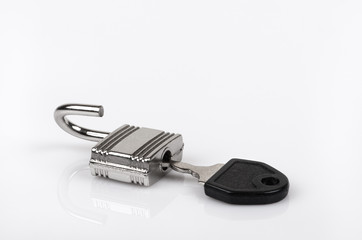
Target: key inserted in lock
[[143, 155]]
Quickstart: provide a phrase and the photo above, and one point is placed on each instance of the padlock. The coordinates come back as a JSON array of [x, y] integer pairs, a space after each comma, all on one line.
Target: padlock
[[129, 154]]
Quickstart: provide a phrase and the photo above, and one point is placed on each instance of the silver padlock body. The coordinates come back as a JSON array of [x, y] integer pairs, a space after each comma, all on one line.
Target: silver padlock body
[[135, 155]]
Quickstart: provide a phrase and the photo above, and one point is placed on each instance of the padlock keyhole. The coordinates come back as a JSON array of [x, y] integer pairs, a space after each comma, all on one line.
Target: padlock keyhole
[[165, 164]]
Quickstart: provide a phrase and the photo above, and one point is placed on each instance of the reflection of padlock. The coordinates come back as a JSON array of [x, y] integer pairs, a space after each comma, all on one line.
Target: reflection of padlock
[[129, 154], [102, 202]]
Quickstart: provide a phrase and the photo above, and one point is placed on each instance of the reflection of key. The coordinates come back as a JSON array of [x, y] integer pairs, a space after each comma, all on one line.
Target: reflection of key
[[239, 181]]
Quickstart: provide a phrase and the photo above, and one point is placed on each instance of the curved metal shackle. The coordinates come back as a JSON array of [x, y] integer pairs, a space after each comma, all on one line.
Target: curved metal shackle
[[79, 109]]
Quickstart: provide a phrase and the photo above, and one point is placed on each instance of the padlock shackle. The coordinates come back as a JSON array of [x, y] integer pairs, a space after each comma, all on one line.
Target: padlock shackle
[[79, 109]]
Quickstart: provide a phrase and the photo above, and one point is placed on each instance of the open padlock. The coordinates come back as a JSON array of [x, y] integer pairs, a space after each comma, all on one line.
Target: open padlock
[[143, 155], [128, 154]]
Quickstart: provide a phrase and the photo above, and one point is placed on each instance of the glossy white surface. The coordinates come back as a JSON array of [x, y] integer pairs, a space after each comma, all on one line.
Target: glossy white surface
[[274, 81]]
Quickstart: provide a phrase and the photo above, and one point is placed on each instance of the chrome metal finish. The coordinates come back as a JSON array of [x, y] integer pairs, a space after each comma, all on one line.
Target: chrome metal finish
[[129, 154], [202, 173], [79, 109], [135, 155]]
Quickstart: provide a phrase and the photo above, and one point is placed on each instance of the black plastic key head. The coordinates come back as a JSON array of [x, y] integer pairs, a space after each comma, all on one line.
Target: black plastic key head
[[247, 182]]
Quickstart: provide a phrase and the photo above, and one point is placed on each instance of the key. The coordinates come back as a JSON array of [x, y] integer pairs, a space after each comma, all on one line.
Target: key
[[143, 156], [239, 181]]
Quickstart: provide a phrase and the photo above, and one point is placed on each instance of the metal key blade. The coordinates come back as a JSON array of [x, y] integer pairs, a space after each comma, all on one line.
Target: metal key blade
[[202, 173]]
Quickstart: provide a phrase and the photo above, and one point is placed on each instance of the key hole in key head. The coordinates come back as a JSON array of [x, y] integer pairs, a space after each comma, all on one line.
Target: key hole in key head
[[166, 161], [270, 181]]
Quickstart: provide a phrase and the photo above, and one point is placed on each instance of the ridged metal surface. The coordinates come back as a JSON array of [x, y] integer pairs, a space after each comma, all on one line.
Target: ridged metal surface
[[128, 154]]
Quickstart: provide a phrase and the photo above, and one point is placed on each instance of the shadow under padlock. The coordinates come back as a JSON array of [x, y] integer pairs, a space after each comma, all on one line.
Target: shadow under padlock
[[96, 199]]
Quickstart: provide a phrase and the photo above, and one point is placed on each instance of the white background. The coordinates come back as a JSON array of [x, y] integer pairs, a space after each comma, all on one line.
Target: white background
[[274, 81]]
